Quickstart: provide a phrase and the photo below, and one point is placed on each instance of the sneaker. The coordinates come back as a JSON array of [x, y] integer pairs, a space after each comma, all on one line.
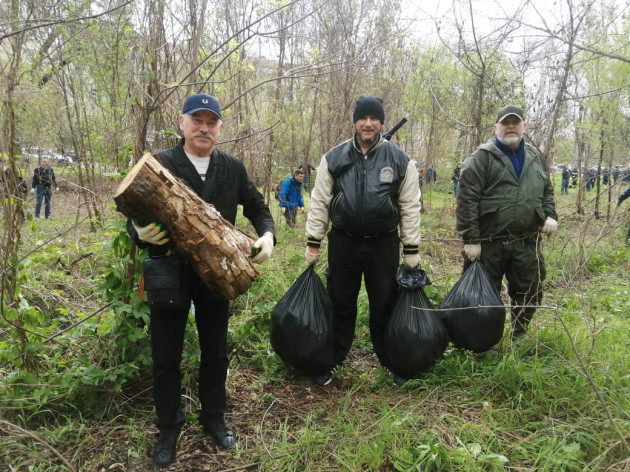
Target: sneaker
[[326, 378]]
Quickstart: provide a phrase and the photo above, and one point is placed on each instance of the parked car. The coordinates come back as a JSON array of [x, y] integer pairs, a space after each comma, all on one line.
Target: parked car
[[37, 154]]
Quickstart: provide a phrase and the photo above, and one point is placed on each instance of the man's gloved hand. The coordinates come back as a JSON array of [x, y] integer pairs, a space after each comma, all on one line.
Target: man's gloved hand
[[283, 210], [152, 233], [411, 261], [472, 251], [312, 258], [264, 246], [302, 209], [550, 226], [32, 190]]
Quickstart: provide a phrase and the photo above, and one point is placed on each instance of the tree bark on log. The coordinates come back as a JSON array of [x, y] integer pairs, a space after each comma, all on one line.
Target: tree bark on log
[[219, 253]]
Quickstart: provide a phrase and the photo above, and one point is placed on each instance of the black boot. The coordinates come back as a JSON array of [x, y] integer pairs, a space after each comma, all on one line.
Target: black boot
[[521, 317], [165, 447], [216, 428]]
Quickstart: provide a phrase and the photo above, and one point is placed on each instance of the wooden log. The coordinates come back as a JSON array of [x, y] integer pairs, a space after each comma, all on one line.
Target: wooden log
[[219, 253]]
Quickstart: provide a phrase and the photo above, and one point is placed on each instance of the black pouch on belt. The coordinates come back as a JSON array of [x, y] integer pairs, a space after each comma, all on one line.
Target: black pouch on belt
[[166, 282]]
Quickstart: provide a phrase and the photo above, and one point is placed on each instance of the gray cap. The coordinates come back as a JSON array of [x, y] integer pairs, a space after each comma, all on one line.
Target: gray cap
[[510, 110]]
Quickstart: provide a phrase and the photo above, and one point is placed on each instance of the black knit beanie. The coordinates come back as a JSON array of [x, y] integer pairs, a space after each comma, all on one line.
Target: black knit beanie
[[369, 105]]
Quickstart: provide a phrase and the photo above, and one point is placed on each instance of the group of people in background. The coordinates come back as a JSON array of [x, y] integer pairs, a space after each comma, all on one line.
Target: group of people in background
[[570, 176]]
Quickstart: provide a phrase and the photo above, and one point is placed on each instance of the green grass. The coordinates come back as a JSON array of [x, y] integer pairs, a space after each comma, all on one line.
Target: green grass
[[557, 400]]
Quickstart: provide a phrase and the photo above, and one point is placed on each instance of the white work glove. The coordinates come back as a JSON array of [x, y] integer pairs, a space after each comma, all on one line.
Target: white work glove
[[283, 210], [264, 247], [411, 261], [472, 251], [152, 233], [302, 208], [312, 258], [33, 190], [550, 226]]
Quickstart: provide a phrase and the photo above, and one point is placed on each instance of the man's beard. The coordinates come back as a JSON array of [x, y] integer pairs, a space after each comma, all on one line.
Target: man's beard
[[368, 141], [511, 142]]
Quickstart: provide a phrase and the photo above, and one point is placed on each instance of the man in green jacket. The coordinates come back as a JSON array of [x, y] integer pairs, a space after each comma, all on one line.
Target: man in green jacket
[[505, 201]]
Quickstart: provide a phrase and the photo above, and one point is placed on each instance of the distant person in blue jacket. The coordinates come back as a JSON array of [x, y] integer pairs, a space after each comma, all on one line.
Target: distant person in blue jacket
[[291, 196], [622, 197]]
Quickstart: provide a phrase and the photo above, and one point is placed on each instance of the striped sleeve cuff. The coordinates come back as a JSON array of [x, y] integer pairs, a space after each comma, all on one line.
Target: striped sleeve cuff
[[312, 242], [410, 249]]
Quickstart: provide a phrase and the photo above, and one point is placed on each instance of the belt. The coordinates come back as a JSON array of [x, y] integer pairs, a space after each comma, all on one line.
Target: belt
[[513, 238], [365, 236]]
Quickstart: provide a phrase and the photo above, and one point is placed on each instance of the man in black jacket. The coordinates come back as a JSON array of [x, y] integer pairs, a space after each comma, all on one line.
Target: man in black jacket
[[43, 181], [367, 187], [222, 180]]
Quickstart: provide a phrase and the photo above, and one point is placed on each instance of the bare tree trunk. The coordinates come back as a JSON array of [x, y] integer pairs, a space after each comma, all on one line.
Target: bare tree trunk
[[581, 152], [197, 27], [602, 135], [12, 194], [477, 111]]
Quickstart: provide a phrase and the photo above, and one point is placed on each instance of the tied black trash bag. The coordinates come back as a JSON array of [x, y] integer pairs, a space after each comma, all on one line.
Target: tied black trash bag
[[414, 338], [481, 326], [301, 325]]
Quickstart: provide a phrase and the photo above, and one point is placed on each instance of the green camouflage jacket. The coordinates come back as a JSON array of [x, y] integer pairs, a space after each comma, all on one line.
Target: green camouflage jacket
[[493, 203]]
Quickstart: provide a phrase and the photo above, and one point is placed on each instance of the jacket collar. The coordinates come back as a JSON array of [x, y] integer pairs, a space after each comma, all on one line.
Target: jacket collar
[[494, 149], [506, 149], [358, 148]]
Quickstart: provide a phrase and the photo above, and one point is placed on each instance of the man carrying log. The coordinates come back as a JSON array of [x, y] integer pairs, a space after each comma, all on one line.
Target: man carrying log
[[222, 180]]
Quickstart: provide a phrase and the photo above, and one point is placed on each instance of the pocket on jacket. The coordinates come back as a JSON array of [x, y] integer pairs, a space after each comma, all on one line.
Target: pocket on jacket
[[488, 219], [166, 283]]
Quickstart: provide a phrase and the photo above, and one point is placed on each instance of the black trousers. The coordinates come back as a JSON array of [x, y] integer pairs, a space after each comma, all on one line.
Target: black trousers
[[167, 343], [290, 216], [350, 259]]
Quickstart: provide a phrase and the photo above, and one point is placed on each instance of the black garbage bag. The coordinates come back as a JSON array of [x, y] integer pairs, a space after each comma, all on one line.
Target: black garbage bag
[[411, 278], [414, 338], [480, 326], [301, 325]]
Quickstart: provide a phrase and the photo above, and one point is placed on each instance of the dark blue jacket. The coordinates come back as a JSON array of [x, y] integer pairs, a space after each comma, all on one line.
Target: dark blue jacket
[[624, 195]]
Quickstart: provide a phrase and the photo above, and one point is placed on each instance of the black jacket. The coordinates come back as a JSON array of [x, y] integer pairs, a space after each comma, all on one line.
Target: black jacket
[[44, 176], [365, 191], [227, 185]]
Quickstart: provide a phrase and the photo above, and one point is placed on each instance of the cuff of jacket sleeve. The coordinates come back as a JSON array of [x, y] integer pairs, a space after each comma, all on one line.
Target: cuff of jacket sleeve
[[312, 242], [410, 249]]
